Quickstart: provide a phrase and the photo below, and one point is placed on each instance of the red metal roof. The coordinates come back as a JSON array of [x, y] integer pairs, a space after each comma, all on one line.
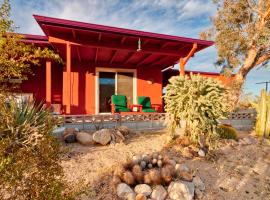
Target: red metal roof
[[111, 46]]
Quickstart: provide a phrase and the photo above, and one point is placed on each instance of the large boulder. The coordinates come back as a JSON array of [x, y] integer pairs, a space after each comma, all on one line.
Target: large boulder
[[143, 189], [84, 138], [181, 190], [198, 183], [159, 193], [125, 192], [102, 136]]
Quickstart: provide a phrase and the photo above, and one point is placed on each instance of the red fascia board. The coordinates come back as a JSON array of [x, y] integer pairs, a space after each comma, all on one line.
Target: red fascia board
[[176, 72], [82, 25]]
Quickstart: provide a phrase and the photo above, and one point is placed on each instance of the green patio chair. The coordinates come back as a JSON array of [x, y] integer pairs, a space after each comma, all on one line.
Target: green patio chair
[[146, 104], [119, 103]]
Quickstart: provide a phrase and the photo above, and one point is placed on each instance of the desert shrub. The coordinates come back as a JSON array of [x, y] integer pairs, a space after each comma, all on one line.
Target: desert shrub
[[262, 126], [198, 100], [29, 155], [227, 132]]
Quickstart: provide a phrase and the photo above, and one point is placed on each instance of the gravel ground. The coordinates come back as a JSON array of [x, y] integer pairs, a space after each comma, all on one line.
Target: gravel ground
[[235, 171]]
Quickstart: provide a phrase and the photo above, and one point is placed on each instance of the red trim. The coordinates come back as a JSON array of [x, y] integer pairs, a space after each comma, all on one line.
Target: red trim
[[82, 25]]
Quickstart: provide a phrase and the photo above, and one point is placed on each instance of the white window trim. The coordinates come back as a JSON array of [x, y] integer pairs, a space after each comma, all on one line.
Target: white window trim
[[115, 70]]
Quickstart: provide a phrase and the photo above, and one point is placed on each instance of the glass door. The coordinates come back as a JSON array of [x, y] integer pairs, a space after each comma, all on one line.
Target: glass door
[[106, 90], [110, 83]]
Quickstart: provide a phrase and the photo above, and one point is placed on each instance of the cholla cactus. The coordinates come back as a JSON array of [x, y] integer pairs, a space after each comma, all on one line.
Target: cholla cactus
[[262, 127], [198, 100]]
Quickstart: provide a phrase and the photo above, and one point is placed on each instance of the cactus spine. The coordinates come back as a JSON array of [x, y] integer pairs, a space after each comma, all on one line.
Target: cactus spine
[[262, 127]]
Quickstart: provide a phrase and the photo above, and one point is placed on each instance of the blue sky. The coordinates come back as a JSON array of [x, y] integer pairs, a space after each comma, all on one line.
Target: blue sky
[[177, 17]]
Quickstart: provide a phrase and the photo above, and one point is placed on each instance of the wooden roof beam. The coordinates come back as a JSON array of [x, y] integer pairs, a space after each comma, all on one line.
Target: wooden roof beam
[[114, 46]]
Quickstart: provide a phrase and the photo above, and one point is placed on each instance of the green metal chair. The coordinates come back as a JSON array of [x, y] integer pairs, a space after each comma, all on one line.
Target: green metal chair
[[146, 104], [119, 104]]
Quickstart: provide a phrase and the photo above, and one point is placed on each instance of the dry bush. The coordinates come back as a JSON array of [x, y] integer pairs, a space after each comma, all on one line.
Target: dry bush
[[29, 155]]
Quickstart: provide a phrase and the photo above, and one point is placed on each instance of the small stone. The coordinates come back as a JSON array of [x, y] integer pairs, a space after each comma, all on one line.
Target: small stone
[[146, 158], [141, 197], [160, 157], [198, 194], [159, 163], [149, 165], [181, 190], [124, 191], [201, 153], [143, 189], [154, 161], [198, 183], [143, 164], [136, 159], [102, 136], [159, 193]]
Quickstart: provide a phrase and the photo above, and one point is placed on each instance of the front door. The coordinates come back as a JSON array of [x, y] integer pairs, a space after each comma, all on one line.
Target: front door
[[120, 83]]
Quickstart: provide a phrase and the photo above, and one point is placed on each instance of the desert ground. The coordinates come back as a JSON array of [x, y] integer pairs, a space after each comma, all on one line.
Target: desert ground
[[236, 170]]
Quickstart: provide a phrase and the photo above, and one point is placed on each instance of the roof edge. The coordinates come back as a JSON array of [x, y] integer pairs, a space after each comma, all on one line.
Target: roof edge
[[76, 24]]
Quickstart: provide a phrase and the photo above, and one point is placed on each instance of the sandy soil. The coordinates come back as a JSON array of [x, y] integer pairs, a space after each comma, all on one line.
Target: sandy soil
[[234, 171]]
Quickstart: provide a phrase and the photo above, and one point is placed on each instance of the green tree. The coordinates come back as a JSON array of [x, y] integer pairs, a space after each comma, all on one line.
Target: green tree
[[17, 57], [241, 31]]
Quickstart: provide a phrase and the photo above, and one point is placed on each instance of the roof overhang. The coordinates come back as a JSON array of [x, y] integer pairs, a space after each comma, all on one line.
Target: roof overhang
[[111, 46]]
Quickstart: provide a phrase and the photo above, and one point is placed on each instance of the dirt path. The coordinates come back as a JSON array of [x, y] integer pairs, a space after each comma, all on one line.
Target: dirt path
[[236, 171]]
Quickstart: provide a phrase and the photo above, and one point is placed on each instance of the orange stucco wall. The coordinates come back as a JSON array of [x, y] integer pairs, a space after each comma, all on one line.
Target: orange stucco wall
[[83, 86], [149, 83], [82, 89]]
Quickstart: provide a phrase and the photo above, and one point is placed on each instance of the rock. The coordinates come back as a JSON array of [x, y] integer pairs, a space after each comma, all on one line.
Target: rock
[[131, 196], [143, 189], [124, 130], [143, 164], [185, 176], [159, 163], [149, 165], [160, 157], [141, 197], [201, 153], [181, 190], [198, 183], [84, 138], [69, 138], [125, 192], [146, 158], [198, 194], [102, 136], [119, 137], [154, 161], [159, 193], [136, 159], [181, 167]]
